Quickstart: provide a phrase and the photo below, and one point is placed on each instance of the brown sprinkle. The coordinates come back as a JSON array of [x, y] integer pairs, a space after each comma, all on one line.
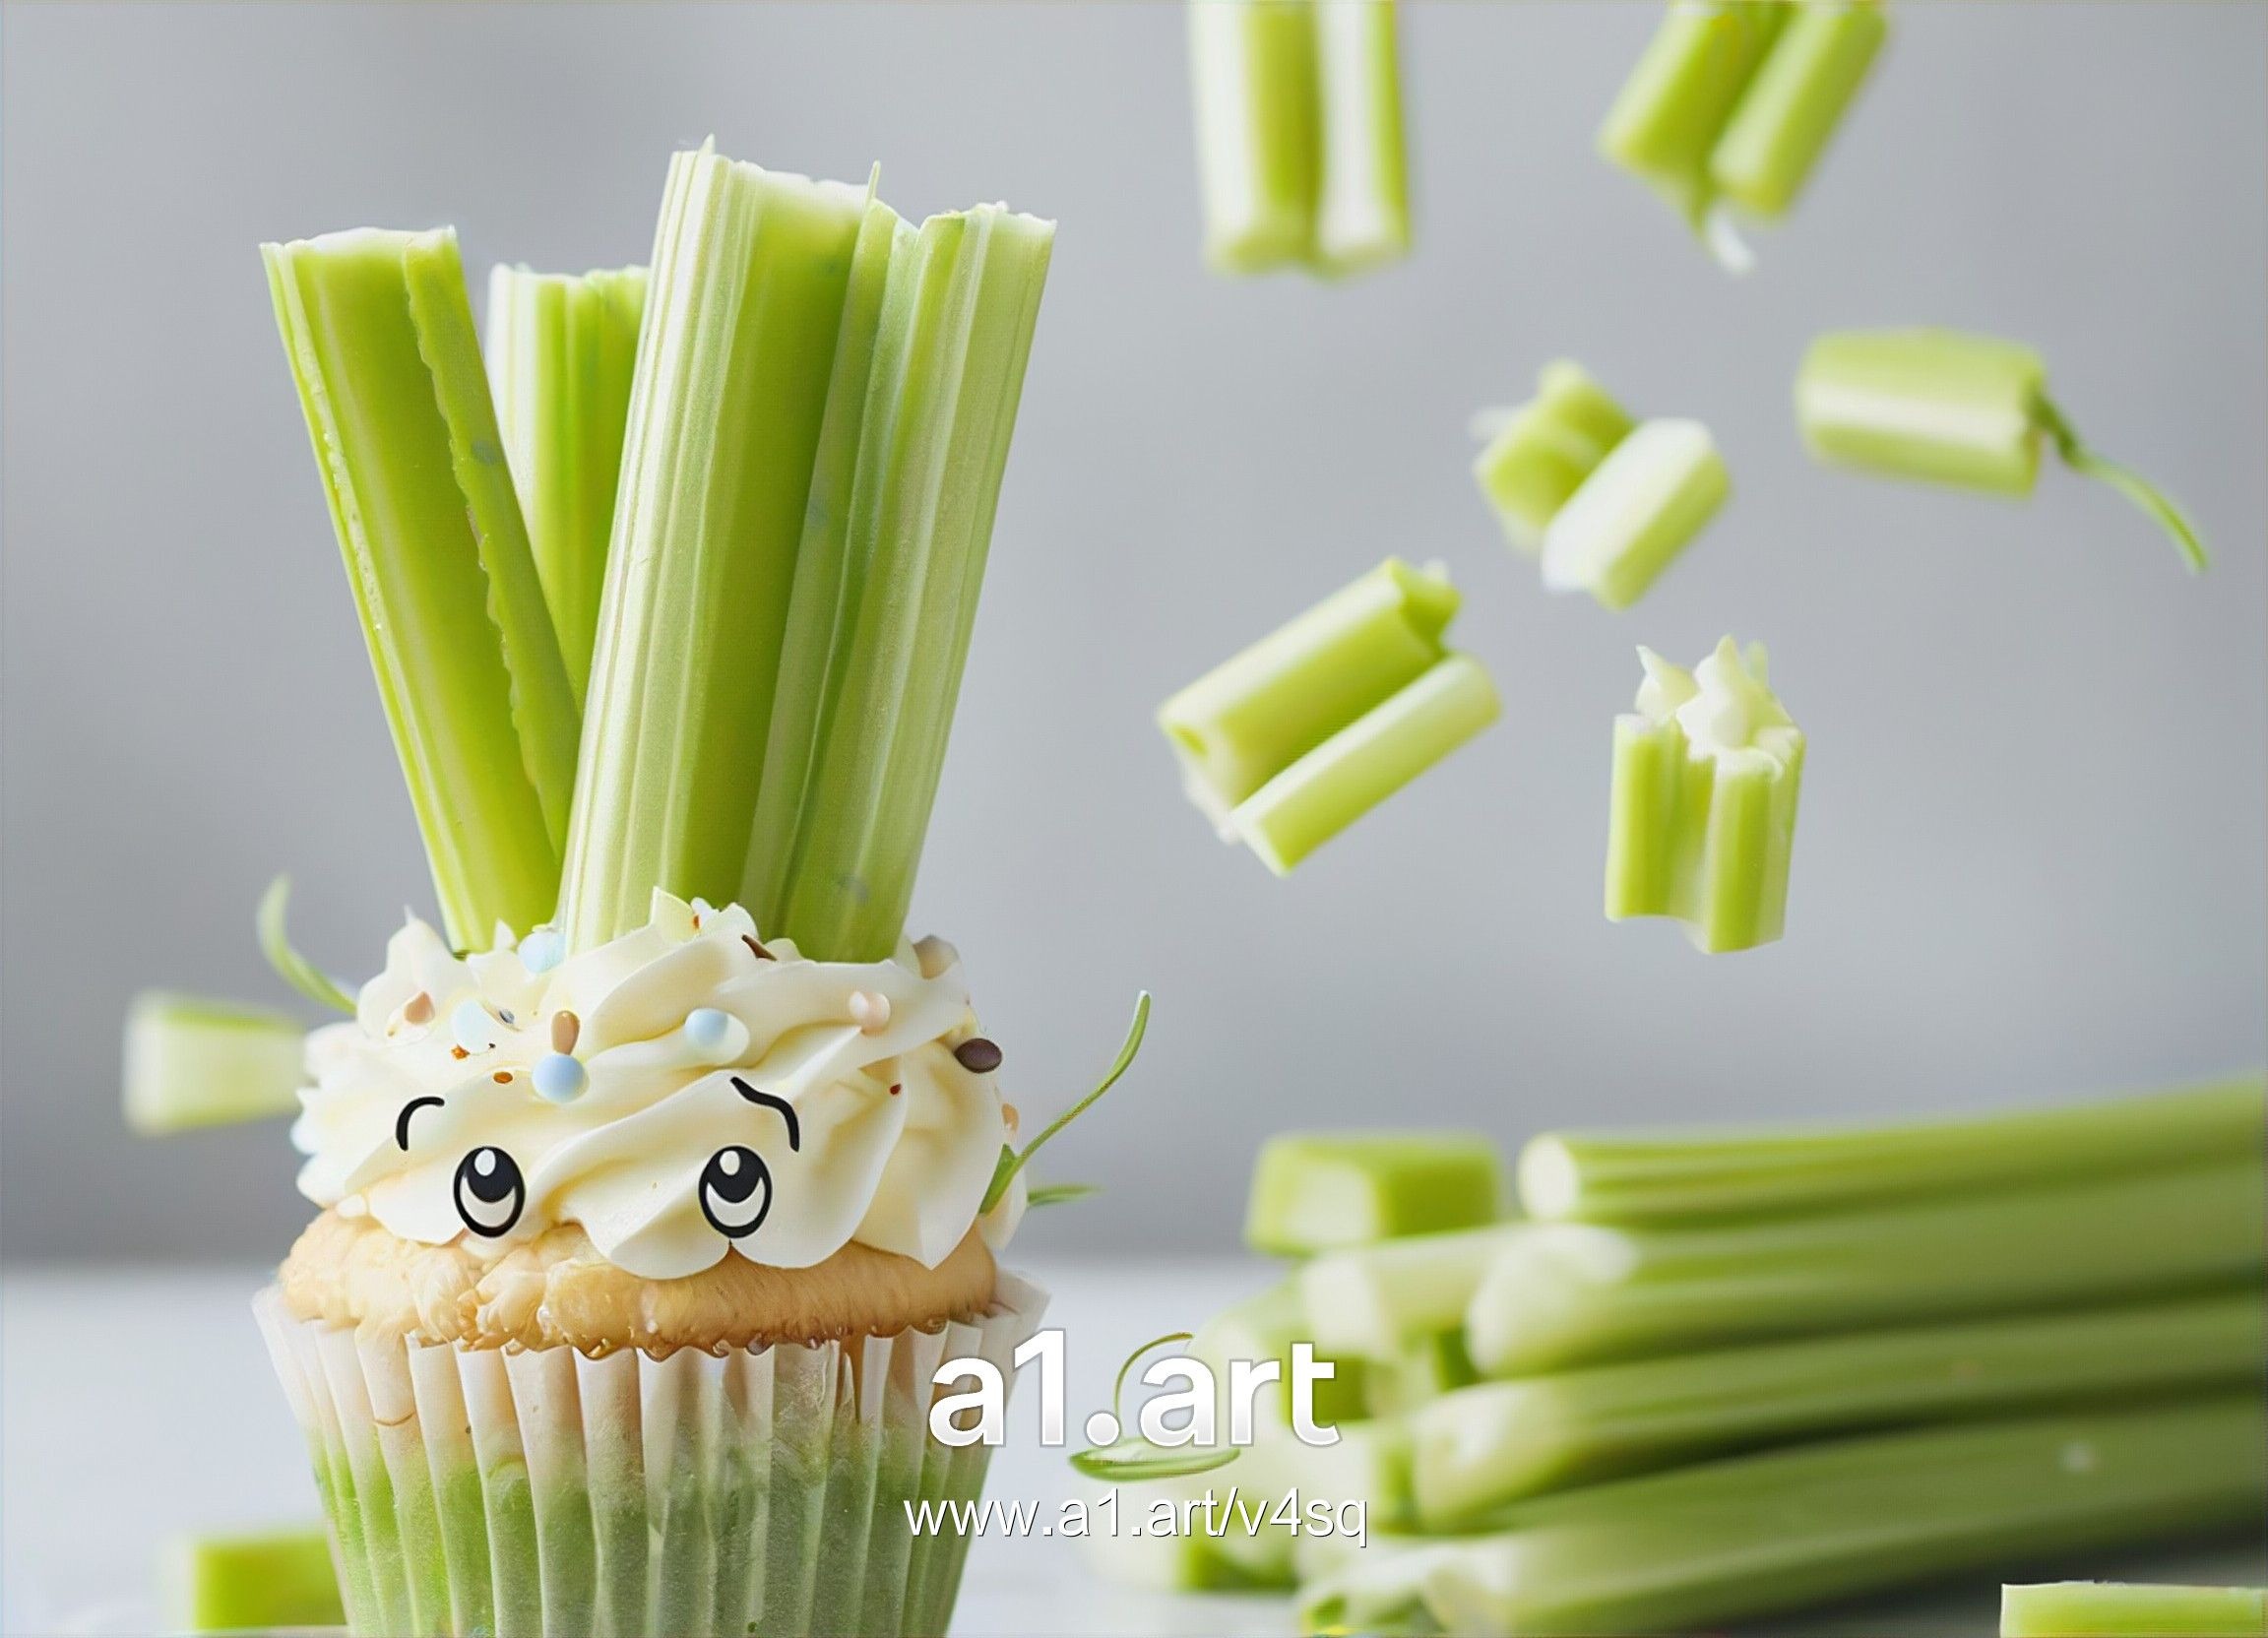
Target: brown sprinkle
[[502, 1077], [418, 1009], [1010, 1118], [760, 952], [565, 1028], [459, 1052], [896, 1088], [978, 1055]]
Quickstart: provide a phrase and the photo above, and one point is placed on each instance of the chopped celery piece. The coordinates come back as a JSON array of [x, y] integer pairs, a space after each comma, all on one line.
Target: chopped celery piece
[[260, 1579], [1263, 1328], [1253, 75], [1564, 1294], [192, 1062], [746, 298], [956, 326], [1365, 762], [1672, 1176], [1690, 1549], [1480, 1448], [2129, 1609], [1628, 521], [1299, 143], [1379, 1300], [1317, 1191], [1701, 821], [1363, 218], [1943, 407], [1792, 108], [560, 351], [1670, 111], [379, 332], [1542, 451], [1290, 742]]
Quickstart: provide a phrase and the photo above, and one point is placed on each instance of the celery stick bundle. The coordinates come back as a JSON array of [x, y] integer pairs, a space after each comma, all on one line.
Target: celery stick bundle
[[1290, 742], [1940, 407], [1299, 146], [1608, 503], [1701, 820], [1711, 1377], [1734, 100]]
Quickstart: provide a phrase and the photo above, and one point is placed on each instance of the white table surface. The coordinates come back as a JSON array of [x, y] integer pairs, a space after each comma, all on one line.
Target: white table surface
[[134, 1405]]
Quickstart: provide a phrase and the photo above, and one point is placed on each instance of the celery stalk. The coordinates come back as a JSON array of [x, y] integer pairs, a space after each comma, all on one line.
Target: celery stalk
[[560, 351], [256, 1579], [1540, 456], [1668, 114], [1252, 74], [749, 270], [2128, 1610], [1480, 1448], [1637, 510], [1684, 1176], [1317, 1191], [1263, 1328], [1564, 1294], [1363, 214], [940, 409], [1790, 109], [380, 335], [1253, 716], [1420, 1373], [192, 1062], [1377, 1300], [1756, 1535], [1363, 764]]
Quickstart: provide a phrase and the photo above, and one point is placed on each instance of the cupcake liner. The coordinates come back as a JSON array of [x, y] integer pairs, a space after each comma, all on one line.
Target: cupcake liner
[[542, 1493]]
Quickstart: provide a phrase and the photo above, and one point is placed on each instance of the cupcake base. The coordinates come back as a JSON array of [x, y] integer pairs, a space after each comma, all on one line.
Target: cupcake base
[[542, 1493]]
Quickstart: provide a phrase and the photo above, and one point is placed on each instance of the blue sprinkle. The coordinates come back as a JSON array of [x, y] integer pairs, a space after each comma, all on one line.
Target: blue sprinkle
[[542, 950], [708, 1029], [559, 1078], [473, 1029]]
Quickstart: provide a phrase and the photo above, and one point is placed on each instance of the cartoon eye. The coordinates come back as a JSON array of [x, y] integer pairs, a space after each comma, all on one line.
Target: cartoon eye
[[736, 1191], [490, 1191]]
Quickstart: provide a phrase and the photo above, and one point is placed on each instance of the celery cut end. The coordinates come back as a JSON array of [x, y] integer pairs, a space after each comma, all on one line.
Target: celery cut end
[[254, 1580], [1635, 512], [192, 1062], [1317, 1191]]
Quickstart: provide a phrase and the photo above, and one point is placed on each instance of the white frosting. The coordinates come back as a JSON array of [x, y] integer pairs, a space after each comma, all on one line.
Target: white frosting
[[896, 1140], [1724, 705]]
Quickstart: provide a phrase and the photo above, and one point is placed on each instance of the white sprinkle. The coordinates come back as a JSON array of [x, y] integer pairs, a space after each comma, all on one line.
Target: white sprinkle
[[870, 1010]]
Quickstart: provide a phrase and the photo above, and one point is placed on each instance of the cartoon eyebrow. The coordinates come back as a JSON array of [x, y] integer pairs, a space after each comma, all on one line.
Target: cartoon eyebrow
[[767, 1101], [402, 1120]]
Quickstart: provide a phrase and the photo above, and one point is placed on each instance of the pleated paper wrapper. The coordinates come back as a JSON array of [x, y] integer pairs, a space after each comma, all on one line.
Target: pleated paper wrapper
[[541, 1494]]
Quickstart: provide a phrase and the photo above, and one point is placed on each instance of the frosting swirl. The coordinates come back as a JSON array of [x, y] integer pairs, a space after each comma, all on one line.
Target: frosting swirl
[[683, 1092]]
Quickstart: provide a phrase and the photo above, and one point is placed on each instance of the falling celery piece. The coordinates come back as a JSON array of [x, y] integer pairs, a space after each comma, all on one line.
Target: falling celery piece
[[1480, 1448], [1790, 109], [1691, 1549], [1379, 1300], [291, 965], [1703, 833], [745, 299], [193, 1062], [940, 412], [1562, 1293], [1944, 407], [1363, 764], [1637, 510], [1543, 450], [1317, 1191], [1684, 1176], [379, 332], [1362, 212], [2131, 1610], [257, 1578], [560, 350], [1253, 77], [1681, 94], [1253, 716]]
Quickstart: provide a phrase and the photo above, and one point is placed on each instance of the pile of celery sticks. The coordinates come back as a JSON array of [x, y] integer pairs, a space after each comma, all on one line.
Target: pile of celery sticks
[[1714, 1375]]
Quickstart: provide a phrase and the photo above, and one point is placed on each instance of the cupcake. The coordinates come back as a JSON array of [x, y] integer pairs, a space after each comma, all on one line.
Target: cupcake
[[631, 1278], [645, 1234]]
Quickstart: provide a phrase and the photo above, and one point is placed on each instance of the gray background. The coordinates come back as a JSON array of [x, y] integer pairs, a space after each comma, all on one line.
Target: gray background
[[2032, 855]]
